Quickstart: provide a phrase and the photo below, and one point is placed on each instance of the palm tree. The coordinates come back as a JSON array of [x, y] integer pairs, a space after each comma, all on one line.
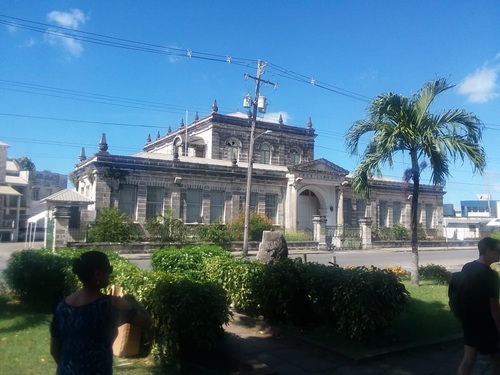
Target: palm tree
[[404, 124]]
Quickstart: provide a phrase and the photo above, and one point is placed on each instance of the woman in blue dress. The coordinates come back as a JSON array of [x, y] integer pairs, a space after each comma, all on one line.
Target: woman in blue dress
[[86, 322]]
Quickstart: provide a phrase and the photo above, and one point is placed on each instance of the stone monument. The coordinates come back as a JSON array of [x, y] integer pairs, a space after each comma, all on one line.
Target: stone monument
[[273, 247]]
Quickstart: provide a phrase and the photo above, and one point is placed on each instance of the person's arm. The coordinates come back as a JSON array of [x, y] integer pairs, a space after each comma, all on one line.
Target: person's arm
[[142, 318], [494, 286], [495, 312], [54, 348], [128, 302]]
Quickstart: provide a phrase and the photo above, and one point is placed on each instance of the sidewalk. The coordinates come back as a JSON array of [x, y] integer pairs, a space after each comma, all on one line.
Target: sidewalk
[[252, 343]]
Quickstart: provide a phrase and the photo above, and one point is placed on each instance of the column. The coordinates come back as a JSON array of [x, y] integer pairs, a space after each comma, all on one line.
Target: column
[[319, 230], [366, 232], [61, 216]]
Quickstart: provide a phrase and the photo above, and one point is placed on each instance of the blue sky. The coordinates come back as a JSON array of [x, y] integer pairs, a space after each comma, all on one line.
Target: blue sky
[[132, 75]]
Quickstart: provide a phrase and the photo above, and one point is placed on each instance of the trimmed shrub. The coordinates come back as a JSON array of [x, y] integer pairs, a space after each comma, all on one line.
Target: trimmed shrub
[[188, 317], [188, 258], [240, 279], [435, 273], [111, 225], [321, 281], [256, 226], [367, 301], [39, 278], [283, 295]]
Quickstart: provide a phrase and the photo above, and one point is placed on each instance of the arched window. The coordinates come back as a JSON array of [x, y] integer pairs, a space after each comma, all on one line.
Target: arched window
[[233, 149], [177, 146], [265, 153], [294, 156]]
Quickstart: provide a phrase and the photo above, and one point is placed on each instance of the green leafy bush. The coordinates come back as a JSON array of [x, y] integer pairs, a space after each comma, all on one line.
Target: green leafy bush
[[188, 258], [257, 224], [321, 282], [435, 273], [111, 225], [241, 280], [382, 234], [188, 317], [283, 295], [215, 232], [400, 232], [166, 228], [38, 278], [367, 301]]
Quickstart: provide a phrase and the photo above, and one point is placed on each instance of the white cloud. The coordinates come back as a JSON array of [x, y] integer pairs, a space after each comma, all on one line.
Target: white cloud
[[70, 45], [72, 20], [481, 86]]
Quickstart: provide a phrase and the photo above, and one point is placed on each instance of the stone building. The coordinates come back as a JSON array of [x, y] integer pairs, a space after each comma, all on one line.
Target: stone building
[[200, 171]]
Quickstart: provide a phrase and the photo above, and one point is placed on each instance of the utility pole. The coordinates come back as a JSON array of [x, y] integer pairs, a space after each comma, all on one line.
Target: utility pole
[[259, 104]]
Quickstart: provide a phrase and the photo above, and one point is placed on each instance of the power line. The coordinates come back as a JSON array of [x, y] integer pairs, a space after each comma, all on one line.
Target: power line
[[128, 44]]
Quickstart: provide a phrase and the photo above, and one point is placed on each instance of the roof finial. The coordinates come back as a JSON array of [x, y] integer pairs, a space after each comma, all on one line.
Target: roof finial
[[280, 120], [103, 146], [215, 109], [182, 123], [158, 135], [309, 123], [149, 138], [169, 129], [82, 154], [196, 117]]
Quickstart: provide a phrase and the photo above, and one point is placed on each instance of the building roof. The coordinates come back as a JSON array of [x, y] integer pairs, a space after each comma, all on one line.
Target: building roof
[[7, 190], [67, 196], [12, 166], [15, 180], [449, 210]]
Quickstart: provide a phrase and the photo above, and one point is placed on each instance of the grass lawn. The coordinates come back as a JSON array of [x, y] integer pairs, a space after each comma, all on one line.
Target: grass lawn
[[24, 346], [24, 350], [428, 317]]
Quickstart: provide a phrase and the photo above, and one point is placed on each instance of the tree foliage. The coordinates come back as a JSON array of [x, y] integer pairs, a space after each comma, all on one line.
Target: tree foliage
[[111, 225], [404, 124], [25, 163]]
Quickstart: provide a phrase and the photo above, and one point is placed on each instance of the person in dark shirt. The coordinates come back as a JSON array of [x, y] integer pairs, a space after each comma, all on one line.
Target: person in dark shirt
[[481, 309], [86, 322]]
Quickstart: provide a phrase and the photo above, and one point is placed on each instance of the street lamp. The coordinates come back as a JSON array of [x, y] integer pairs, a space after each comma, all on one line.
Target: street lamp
[[259, 103]]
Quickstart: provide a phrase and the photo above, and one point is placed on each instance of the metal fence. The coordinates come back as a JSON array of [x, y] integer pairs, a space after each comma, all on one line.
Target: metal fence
[[341, 237]]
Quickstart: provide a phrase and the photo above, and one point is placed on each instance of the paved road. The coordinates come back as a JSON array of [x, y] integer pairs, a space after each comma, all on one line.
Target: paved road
[[453, 259]]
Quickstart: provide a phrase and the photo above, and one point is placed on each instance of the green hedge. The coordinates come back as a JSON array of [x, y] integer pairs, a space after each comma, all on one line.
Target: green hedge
[[188, 317], [367, 301], [187, 258], [39, 279], [190, 289], [188, 314], [241, 279]]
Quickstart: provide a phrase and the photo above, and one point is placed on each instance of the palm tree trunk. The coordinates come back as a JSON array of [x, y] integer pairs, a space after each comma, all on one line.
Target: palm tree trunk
[[414, 220]]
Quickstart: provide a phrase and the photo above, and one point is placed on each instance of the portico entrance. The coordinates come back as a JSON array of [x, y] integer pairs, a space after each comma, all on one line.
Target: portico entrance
[[307, 207]]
